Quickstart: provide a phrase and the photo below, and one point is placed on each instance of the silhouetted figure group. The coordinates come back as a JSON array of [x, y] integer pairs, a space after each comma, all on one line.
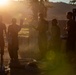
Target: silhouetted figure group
[[55, 34], [43, 28], [12, 35], [13, 44]]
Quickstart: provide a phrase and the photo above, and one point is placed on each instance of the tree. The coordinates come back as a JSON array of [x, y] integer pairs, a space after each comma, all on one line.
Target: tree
[[34, 7], [38, 6], [72, 1]]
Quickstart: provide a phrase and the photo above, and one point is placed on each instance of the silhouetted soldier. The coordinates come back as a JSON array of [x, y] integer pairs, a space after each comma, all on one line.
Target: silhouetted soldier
[[42, 36], [13, 44], [55, 40], [2, 29], [71, 39], [71, 30]]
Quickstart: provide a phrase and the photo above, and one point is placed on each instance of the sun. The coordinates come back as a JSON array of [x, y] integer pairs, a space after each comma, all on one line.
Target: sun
[[4, 2]]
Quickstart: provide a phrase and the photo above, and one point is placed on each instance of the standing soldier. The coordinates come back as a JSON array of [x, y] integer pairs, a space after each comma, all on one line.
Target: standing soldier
[[2, 29], [71, 39], [71, 29], [42, 36], [55, 40], [13, 43]]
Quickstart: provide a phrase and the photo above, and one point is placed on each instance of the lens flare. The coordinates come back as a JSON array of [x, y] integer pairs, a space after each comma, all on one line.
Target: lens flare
[[4, 2]]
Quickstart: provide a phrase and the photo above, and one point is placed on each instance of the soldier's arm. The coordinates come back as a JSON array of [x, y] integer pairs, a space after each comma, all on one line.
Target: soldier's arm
[[8, 31], [7, 35], [34, 27], [68, 26]]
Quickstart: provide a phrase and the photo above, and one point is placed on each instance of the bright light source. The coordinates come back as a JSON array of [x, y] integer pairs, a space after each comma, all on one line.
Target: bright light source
[[4, 2]]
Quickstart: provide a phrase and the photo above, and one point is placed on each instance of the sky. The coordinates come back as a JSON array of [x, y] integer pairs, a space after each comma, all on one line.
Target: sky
[[67, 1]]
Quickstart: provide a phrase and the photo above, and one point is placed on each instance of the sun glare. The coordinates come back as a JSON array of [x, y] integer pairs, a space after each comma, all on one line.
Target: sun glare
[[4, 2]]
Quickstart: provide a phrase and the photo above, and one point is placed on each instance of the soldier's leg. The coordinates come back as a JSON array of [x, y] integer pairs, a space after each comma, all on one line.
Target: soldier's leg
[[11, 52], [2, 53], [15, 54]]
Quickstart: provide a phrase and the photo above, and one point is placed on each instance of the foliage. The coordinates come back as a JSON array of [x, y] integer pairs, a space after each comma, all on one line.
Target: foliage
[[55, 63], [73, 1]]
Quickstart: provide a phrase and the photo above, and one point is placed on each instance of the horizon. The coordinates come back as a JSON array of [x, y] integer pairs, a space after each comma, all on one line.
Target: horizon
[[65, 1]]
